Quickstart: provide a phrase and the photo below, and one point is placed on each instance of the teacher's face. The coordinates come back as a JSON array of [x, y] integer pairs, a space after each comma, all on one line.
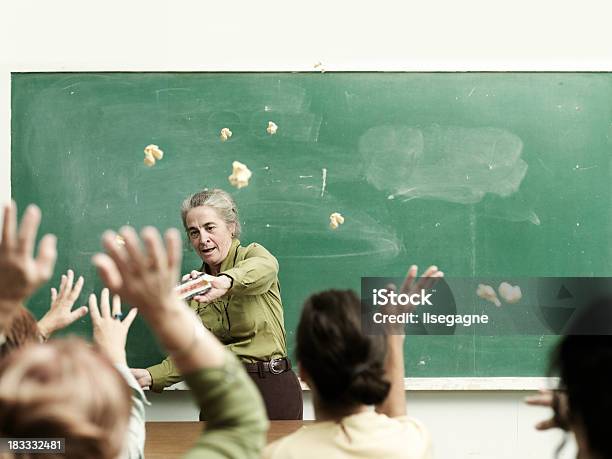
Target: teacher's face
[[210, 236]]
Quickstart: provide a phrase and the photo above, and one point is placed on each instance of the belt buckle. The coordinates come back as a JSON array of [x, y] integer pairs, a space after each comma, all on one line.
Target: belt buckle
[[276, 366]]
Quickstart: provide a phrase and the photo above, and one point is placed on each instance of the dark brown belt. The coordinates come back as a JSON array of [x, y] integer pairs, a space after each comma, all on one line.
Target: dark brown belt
[[275, 366]]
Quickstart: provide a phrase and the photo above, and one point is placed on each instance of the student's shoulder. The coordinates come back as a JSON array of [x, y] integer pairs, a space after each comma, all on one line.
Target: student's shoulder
[[416, 435], [411, 423], [271, 450], [302, 438]]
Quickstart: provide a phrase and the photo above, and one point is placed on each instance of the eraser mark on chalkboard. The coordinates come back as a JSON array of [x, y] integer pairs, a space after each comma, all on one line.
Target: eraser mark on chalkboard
[[324, 181], [580, 168]]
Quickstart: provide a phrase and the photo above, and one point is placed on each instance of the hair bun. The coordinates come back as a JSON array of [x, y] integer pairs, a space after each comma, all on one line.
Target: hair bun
[[367, 385], [344, 365]]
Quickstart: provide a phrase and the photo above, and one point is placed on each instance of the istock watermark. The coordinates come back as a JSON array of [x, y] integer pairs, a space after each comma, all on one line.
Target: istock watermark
[[383, 297], [487, 306]]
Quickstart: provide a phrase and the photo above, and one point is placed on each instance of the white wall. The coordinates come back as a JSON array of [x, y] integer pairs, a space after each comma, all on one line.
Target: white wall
[[283, 35], [463, 424]]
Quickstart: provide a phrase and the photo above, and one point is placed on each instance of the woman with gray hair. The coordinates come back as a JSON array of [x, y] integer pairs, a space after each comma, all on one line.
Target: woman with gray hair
[[243, 308]]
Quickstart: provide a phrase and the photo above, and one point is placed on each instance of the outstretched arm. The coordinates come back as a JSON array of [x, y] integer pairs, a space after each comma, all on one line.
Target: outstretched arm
[[557, 401], [60, 313], [110, 335], [252, 276], [146, 279], [395, 403], [22, 274]]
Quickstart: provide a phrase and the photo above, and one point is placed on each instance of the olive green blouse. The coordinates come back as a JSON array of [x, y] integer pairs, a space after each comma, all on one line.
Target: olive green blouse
[[248, 319]]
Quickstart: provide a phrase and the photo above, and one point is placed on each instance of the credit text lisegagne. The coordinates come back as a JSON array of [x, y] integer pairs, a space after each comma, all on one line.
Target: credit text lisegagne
[[385, 297]]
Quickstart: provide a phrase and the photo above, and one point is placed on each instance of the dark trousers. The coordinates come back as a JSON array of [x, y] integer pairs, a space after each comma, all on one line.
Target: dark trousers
[[281, 393]]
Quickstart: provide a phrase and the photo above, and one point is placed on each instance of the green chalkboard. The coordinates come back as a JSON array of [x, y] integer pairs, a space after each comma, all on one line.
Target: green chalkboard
[[498, 174]]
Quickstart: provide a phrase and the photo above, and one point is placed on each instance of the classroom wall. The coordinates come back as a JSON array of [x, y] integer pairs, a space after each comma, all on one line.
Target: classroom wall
[[463, 425], [276, 35]]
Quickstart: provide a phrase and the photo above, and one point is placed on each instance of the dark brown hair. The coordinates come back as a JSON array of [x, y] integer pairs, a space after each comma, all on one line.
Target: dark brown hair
[[345, 365], [583, 360]]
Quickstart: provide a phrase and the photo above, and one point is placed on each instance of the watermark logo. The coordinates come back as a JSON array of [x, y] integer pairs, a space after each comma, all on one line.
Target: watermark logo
[[384, 297], [487, 306]]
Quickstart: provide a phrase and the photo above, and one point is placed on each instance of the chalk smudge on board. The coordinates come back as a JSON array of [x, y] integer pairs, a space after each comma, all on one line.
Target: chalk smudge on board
[[366, 239], [323, 180], [515, 208], [433, 163], [580, 168]]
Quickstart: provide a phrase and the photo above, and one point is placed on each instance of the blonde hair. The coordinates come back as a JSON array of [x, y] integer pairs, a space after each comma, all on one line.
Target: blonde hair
[[65, 389], [219, 200]]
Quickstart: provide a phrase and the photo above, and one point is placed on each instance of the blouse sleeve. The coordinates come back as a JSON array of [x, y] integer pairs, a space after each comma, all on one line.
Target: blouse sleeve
[[236, 417], [255, 274]]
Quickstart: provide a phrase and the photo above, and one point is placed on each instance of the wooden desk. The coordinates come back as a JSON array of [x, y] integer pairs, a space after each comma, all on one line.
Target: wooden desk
[[170, 440]]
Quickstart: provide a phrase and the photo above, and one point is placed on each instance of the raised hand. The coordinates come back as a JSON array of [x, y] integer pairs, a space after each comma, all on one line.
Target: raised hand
[[143, 278], [21, 273], [147, 278], [427, 280], [395, 402], [409, 287], [60, 314], [109, 331], [557, 401]]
